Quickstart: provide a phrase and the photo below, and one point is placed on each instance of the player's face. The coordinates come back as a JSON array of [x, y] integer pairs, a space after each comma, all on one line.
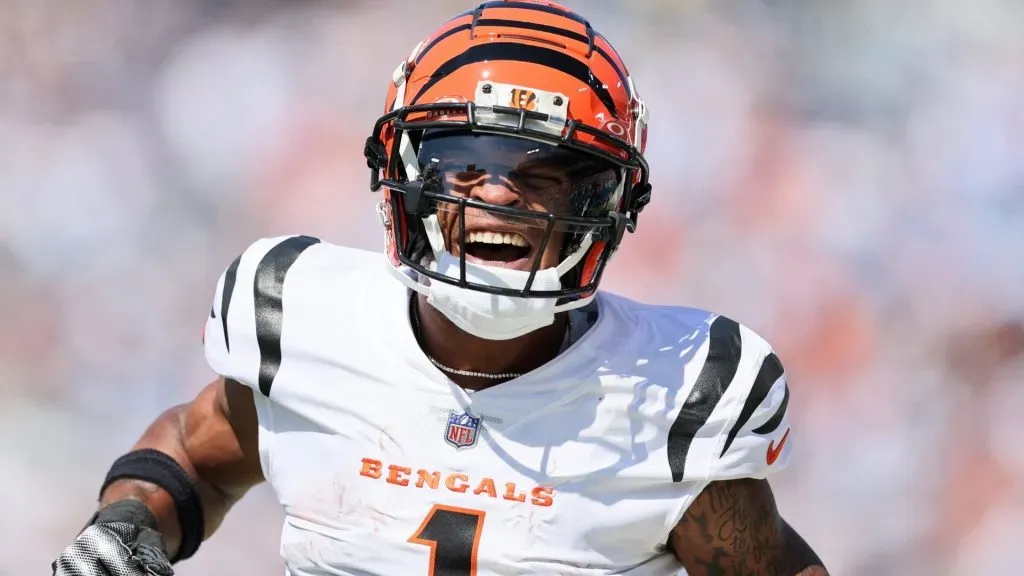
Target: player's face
[[520, 174]]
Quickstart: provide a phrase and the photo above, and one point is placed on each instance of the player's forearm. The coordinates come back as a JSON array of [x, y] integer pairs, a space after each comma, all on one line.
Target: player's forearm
[[168, 435], [213, 439]]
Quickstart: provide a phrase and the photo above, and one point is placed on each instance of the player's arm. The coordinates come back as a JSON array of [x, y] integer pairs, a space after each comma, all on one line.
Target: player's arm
[[734, 529], [171, 491], [163, 498], [214, 440]]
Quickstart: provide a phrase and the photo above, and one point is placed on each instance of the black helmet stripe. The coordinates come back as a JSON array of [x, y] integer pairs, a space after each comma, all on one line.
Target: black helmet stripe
[[522, 25], [537, 7], [517, 52], [442, 36]]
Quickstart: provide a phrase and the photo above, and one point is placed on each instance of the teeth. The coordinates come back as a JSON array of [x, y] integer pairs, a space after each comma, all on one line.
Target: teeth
[[496, 238]]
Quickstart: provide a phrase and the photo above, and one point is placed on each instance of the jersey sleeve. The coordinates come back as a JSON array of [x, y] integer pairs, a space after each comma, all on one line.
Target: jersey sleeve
[[733, 419], [756, 442], [242, 338]]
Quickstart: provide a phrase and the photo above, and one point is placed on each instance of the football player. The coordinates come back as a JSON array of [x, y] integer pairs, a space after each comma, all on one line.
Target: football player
[[468, 403]]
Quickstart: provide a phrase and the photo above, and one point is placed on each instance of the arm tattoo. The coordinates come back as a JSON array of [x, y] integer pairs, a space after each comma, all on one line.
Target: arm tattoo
[[734, 529]]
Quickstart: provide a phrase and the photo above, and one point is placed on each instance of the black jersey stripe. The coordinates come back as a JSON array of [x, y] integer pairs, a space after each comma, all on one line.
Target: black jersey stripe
[[772, 424], [269, 306], [230, 275], [517, 52], [724, 349], [769, 373]]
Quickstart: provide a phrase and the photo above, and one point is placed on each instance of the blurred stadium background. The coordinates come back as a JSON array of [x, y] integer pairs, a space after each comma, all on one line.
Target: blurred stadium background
[[845, 177]]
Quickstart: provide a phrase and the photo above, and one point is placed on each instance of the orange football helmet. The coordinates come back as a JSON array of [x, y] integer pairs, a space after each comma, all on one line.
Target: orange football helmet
[[526, 72]]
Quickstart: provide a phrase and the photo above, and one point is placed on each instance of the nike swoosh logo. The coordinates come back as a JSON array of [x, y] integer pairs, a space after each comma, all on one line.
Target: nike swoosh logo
[[774, 451]]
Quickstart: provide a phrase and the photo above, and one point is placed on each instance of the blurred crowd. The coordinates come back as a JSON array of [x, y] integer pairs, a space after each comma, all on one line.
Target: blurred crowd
[[847, 178]]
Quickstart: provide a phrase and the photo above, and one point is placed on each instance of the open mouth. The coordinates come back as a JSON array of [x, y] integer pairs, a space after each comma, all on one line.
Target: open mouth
[[496, 247]]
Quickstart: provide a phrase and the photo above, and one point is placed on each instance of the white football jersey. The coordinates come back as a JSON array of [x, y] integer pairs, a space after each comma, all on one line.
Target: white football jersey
[[385, 467]]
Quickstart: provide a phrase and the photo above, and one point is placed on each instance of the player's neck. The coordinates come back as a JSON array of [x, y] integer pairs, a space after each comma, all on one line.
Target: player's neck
[[456, 349]]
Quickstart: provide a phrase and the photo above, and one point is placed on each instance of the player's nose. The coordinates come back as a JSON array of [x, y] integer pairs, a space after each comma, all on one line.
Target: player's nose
[[496, 191]]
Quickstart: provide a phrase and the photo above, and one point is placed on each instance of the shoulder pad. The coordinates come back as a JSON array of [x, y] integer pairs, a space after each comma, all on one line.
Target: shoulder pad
[[242, 339], [733, 422]]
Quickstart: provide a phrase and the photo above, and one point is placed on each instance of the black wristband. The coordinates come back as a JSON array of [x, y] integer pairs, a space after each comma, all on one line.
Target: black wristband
[[160, 469]]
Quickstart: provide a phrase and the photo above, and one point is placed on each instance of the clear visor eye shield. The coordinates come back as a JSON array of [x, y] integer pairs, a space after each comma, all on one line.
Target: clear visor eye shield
[[481, 198]]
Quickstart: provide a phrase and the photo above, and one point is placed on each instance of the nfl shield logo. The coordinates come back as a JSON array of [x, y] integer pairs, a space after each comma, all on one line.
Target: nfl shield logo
[[462, 429]]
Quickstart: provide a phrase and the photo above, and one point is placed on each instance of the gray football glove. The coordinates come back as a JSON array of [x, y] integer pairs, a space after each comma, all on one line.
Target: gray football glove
[[114, 549]]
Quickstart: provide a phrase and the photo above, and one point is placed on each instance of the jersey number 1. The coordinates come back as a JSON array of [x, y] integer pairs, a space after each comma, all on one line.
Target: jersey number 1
[[453, 535]]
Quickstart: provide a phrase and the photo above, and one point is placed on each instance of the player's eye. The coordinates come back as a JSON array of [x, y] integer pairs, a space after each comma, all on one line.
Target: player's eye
[[471, 173], [535, 180]]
